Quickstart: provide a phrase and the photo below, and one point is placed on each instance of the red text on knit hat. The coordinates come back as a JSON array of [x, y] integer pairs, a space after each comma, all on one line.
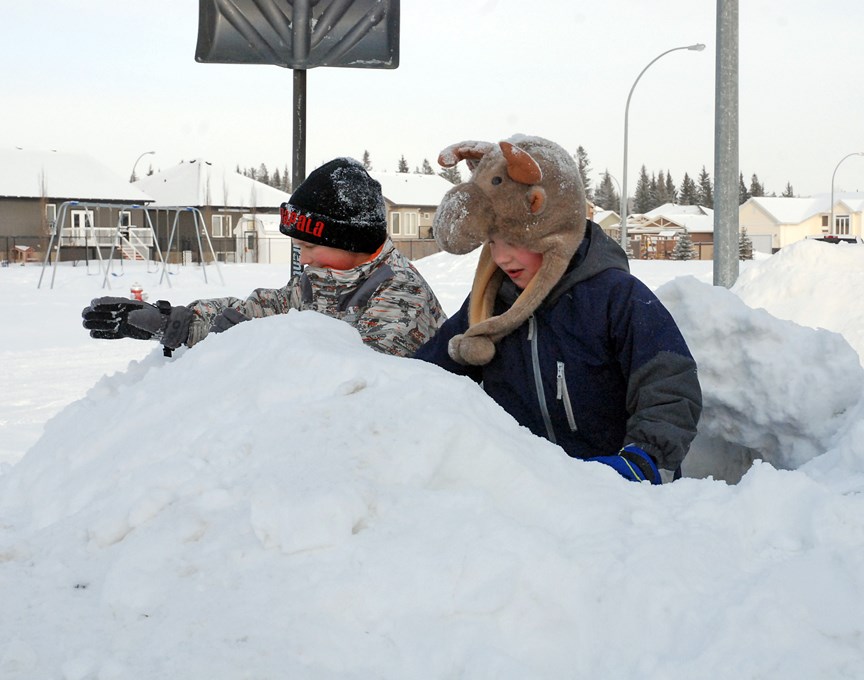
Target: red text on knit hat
[[301, 222]]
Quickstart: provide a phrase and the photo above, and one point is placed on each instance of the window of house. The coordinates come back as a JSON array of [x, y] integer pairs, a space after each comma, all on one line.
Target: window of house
[[824, 221], [221, 225], [81, 219], [409, 224], [125, 218], [395, 226], [841, 224], [51, 212]]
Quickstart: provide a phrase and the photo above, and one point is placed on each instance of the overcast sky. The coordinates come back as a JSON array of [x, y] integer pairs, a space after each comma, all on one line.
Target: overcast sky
[[117, 79]]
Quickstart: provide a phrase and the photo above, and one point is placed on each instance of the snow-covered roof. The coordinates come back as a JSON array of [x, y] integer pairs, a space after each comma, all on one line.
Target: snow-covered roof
[[404, 188], [199, 183], [674, 209], [790, 210], [32, 173], [693, 218]]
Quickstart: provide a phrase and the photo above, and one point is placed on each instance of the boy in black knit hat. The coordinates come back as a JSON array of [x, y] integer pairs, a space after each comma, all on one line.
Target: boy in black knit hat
[[352, 271]]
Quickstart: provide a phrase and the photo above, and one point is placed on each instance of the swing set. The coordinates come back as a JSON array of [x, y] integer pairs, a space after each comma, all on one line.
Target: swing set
[[77, 225]]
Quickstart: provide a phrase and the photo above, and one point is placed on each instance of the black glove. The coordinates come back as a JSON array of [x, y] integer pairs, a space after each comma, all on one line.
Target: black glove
[[116, 317], [229, 318]]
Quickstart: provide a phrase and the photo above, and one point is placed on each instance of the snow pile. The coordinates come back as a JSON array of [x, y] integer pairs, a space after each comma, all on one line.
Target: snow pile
[[282, 502], [768, 393]]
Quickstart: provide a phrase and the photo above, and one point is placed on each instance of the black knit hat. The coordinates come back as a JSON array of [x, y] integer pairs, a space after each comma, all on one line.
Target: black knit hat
[[339, 205]]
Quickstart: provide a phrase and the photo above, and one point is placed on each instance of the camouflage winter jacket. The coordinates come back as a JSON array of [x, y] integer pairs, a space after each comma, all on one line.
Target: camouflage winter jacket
[[385, 299]]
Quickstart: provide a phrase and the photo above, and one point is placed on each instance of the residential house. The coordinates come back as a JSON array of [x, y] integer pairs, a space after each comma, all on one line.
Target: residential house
[[653, 235], [411, 200], [196, 191], [34, 184], [609, 220], [774, 222]]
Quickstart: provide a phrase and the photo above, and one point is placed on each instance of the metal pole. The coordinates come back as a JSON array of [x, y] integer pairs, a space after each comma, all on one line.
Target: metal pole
[[726, 201], [132, 177], [696, 48], [831, 223], [298, 165]]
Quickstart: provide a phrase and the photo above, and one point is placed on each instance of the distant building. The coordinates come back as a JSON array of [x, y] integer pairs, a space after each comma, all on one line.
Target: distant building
[[411, 201], [35, 183], [223, 198], [653, 235], [774, 222]]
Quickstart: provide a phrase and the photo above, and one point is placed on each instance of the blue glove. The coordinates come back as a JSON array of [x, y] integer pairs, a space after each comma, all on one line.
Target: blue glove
[[632, 463]]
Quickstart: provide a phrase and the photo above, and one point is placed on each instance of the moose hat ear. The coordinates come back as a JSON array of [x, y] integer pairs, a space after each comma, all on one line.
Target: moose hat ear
[[469, 151], [521, 167]]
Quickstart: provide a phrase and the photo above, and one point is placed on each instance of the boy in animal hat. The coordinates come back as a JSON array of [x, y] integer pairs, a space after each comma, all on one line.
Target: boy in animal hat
[[352, 272], [555, 328]]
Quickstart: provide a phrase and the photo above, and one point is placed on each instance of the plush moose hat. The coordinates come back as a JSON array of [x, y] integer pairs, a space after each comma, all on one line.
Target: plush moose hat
[[526, 191]]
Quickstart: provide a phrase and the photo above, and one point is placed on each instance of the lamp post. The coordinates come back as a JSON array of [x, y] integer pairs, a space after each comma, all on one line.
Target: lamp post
[[698, 47], [831, 223], [132, 177]]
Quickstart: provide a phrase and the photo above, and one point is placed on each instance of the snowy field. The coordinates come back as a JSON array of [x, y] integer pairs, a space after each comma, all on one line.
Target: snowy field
[[281, 502]]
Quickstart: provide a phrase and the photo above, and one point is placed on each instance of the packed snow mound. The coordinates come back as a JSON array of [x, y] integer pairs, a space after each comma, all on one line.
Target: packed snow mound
[[281, 501], [742, 355], [786, 286]]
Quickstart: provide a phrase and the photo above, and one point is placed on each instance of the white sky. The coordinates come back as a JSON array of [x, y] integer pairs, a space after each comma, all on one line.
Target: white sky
[[117, 79]]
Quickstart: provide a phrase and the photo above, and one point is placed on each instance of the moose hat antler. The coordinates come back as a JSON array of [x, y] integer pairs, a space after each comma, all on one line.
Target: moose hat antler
[[526, 191]]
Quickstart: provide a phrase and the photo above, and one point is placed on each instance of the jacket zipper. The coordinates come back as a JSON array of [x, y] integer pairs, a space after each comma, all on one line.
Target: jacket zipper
[[564, 397], [538, 382]]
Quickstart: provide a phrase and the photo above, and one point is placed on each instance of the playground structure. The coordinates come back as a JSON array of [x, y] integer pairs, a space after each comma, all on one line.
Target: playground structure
[[76, 226]]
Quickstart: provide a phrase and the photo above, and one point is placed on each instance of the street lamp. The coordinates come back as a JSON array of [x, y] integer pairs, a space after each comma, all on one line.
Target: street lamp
[[831, 223], [698, 47], [132, 177]]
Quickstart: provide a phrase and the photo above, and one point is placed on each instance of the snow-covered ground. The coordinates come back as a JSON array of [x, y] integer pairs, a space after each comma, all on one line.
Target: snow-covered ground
[[281, 502]]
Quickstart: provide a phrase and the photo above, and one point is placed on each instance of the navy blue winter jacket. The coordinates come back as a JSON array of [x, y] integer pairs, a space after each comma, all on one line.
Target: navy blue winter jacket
[[600, 364]]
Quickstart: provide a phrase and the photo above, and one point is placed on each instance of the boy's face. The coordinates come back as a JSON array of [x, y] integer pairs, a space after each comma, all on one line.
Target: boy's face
[[325, 257], [520, 264]]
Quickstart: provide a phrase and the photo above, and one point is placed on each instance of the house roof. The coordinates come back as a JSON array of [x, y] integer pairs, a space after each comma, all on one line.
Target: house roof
[[32, 173], [404, 188], [790, 210], [693, 218], [796, 210], [198, 183]]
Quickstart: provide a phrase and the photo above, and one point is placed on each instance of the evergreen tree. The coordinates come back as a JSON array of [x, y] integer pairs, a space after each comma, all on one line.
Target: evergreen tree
[[689, 194], [756, 188], [659, 187], [276, 179], [642, 199], [403, 165], [584, 164], [367, 162], [743, 194], [286, 180], [684, 248], [745, 245], [671, 191], [705, 192], [263, 174], [427, 167], [452, 175], [605, 196], [788, 192]]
